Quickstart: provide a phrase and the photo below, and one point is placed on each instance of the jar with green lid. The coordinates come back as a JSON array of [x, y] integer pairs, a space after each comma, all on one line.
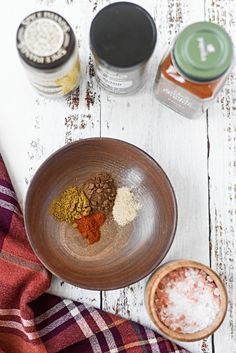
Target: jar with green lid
[[194, 69], [47, 47]]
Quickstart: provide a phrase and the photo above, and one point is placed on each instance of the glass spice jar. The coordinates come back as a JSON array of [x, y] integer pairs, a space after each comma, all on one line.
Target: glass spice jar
[[47, 47], [195, 69], [122, 40]]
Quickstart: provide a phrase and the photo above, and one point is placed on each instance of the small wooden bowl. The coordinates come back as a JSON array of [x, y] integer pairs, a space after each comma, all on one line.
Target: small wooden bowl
[[150, 305]]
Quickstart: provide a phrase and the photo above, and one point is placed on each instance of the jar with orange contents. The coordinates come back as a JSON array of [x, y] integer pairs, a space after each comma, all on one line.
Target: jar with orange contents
[[195, 69]]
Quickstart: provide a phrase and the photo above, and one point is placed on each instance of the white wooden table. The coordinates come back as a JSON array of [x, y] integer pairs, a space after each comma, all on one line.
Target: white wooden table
[[199, 156]]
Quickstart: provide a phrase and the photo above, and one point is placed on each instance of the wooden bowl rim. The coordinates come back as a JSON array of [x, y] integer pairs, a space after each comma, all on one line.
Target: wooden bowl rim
[[155, 279], [81, 142]]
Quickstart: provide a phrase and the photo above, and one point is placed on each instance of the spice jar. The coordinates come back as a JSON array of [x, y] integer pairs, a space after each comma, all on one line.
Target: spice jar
[[122, 40], [195, 69], [47, 47]]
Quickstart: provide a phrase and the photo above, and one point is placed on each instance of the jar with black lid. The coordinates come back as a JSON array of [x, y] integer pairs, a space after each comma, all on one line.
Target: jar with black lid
[[122, 40], [47, 47]]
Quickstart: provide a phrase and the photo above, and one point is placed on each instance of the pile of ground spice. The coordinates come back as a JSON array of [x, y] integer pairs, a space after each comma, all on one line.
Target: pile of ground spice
[[125, 207], [89, 226], [101, 192], [86, 208], [187, 300], [70, 205], [75, 205]]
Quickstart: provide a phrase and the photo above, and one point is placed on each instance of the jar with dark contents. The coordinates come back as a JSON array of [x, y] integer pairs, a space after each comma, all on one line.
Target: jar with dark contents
[[122, 40], [47, 47], [194, 69]]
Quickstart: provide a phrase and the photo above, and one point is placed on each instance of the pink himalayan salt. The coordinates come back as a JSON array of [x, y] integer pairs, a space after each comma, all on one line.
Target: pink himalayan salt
[[187, 300]]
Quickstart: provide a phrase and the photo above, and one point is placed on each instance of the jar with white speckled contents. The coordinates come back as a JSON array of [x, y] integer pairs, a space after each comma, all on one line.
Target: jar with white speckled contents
[[47, 47]]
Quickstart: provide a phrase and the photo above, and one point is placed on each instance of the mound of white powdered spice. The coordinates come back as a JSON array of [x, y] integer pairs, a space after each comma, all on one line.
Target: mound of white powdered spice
[[125, 207]]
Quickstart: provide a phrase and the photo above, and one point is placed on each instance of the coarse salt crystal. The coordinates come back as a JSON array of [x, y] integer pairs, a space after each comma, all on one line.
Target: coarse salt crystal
[[209, 279], [187, 301], [216, 291]]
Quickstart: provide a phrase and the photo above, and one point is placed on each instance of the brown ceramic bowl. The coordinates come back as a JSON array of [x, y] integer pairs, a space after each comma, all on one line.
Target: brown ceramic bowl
[[150, 304], [123, 255]]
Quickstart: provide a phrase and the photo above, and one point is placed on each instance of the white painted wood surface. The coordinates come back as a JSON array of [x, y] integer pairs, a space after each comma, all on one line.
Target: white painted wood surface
[[199, 156]]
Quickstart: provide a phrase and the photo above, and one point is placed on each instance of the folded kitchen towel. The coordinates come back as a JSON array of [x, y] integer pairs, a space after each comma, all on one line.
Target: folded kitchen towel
[[33, 321]]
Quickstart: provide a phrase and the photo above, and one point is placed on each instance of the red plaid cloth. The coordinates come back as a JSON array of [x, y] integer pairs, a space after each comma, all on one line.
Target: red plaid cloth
[[32, 321]]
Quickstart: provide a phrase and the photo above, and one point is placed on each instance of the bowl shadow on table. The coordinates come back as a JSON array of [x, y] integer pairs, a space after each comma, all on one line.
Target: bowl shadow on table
[[124, 255]]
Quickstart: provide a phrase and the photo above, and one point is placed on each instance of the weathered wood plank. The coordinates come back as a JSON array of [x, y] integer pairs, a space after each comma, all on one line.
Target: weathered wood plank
[[222, 180], [178, 144], [40, 125], [82, 113]]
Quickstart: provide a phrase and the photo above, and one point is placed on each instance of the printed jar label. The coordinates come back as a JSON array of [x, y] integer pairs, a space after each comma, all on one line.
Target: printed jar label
[[113, 81], [179, 99], [204, 48]]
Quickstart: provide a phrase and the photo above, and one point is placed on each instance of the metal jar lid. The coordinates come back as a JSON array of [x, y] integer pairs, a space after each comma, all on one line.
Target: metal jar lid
[[203, 51], [123, 35], [45, 40]]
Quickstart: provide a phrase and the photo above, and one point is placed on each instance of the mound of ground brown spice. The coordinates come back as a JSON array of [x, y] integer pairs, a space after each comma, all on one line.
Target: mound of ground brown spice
[[101, 192]]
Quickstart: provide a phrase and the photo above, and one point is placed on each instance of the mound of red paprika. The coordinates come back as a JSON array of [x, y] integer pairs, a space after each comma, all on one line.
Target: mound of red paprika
[[89, 226]]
